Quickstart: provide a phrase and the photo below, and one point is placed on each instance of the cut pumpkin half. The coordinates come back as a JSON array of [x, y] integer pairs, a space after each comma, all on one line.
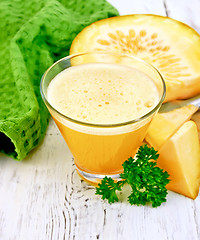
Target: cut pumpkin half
[[169, 45]]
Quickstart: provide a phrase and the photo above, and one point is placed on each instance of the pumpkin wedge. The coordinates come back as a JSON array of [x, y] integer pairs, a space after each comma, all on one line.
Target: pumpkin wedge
[[196, 119], [164, 125], [180, 157], [169, 45]]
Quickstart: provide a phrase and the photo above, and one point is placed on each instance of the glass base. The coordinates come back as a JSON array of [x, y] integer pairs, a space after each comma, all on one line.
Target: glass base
[[96, 178]]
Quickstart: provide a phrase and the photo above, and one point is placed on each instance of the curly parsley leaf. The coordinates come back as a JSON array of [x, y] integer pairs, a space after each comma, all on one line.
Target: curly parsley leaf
[[108, 187], [148, 182]]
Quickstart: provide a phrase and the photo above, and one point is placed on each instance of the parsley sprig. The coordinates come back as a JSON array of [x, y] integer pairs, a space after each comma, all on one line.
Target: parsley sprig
[[148, 182]]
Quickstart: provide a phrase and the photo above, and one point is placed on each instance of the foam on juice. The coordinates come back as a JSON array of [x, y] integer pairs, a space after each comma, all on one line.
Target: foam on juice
[[101, 93]]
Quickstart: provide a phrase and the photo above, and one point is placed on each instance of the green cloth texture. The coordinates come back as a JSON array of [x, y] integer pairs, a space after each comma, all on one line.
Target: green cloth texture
[[33, 35]]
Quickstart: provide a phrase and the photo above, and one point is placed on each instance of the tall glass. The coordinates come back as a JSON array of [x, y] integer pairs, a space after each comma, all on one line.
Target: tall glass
[[100, 149]]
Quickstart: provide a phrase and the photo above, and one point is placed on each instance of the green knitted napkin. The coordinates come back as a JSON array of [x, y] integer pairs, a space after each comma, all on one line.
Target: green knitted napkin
[[33, 35]]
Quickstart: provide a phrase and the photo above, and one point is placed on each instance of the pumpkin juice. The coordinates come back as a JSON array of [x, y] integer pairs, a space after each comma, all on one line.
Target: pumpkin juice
[[97, 110]]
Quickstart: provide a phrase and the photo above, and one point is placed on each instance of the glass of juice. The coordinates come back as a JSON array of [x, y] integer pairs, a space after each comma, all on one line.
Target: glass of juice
[[102, 103]]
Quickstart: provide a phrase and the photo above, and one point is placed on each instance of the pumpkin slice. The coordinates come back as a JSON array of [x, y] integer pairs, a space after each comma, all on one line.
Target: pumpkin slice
[[196, 119], [180, 157], [164, 125], [171, 46]]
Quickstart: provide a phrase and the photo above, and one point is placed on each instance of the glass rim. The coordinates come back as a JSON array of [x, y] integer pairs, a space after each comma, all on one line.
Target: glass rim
[[88, 124]]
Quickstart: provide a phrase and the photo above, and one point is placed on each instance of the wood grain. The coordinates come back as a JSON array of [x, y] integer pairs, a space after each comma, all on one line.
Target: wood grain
[[42, 197]]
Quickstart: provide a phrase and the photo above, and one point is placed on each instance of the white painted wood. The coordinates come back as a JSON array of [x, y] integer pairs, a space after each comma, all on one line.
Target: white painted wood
[[139, 6], [42, 197], [186, 11]]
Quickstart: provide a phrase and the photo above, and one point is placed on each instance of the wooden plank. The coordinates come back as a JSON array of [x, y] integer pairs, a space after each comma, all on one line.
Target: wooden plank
[[139, 6], [184, 11]]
